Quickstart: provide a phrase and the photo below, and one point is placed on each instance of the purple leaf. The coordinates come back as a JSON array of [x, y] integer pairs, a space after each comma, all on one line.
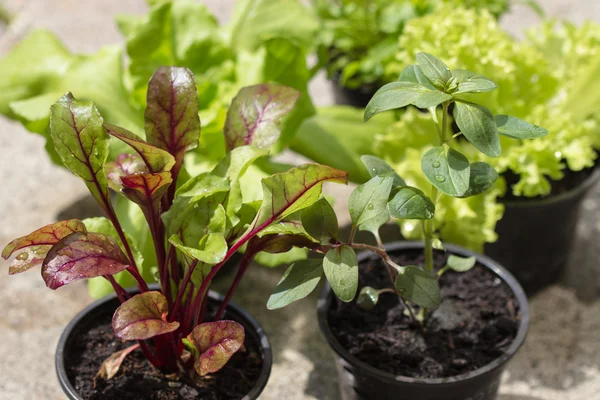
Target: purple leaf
[[81, 256], [156, 160], [171, 117], [143, 316], [38, 243], [125, 164], [216, 342], [255, 115]]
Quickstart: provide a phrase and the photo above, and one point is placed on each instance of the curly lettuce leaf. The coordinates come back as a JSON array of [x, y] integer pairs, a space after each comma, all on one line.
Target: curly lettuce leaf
[[39, 70]]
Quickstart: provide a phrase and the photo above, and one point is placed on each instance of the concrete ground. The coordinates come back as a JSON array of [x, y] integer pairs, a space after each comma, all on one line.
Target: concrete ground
[[560, 361]]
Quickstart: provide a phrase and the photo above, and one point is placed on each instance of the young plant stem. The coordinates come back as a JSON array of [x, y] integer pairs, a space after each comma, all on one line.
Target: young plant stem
[[182, 290], [122, 294], [244, 264], [380, 252]]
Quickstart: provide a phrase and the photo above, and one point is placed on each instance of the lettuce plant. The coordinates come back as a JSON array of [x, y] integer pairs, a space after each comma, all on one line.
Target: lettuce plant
[[196, 223], [432, 86], [546, 79], [359, 39]]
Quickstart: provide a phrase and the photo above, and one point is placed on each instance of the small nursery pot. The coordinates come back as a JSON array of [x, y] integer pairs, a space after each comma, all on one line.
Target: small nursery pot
[[360, 381], [535, 236], [109, 303], [359, 97]]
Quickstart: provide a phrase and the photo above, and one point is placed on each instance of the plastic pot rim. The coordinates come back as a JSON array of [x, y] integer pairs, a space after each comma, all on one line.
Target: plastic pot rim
[[232, 307]]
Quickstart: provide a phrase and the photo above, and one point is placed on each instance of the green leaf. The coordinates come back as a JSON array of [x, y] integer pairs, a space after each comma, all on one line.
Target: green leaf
[[81, 143], [171, 116], [434, 69], [447, 170], [482, 177], [460, 264], [368, 203], [211, 249], [204, 217], [477, 124], [216, 342], [367, 298], [298, 281], [255, 115], [396, 95], [237, 161], [414, 74], [254, 21], [517, 128], [143, 316], [376, 166], [470, 82], [182, 33], [418, 286], [411, 203], [32, 67], [320, 221], [341, 269], [287, 192], [337, 136]]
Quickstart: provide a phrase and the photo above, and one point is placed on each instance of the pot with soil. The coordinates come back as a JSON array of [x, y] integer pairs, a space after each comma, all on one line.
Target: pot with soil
[[535, 235], [89, 339], [358, 97], [459, 354]]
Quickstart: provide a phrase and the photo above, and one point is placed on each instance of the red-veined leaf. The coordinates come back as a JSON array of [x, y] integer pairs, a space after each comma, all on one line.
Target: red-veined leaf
[[82, 143], [171, 117], [146, 188], [216, 342], [81, 256], [157, 160], [288, 192], [143, 316], [47, 235], [28, 258], [125, 164], [255, 114]]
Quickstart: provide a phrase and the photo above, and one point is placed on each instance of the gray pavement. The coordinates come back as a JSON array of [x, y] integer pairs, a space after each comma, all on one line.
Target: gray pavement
[[560, 361]]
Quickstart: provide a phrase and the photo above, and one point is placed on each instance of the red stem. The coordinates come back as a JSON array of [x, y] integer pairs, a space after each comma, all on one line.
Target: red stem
[[182, 288], [244, 264]]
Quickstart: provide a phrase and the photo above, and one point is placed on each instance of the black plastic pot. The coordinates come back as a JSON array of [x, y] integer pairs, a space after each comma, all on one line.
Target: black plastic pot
[[109, 304], [359, 97], [535, 236], [360, 381]]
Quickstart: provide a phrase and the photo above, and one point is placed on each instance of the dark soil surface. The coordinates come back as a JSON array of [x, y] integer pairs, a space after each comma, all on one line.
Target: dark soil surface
[[138, 379], [475, 324]]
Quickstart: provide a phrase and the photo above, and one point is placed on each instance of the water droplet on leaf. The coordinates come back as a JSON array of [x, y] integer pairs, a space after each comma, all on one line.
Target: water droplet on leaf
[[370, 206], [22, 256], [436, 164], [440, 178]]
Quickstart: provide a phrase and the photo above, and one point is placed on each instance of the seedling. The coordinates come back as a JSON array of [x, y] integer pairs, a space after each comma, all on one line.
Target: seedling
[[432, 86], [196, 224]]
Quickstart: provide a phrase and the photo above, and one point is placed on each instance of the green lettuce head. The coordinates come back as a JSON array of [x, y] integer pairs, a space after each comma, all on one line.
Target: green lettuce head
[[534, 78]]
